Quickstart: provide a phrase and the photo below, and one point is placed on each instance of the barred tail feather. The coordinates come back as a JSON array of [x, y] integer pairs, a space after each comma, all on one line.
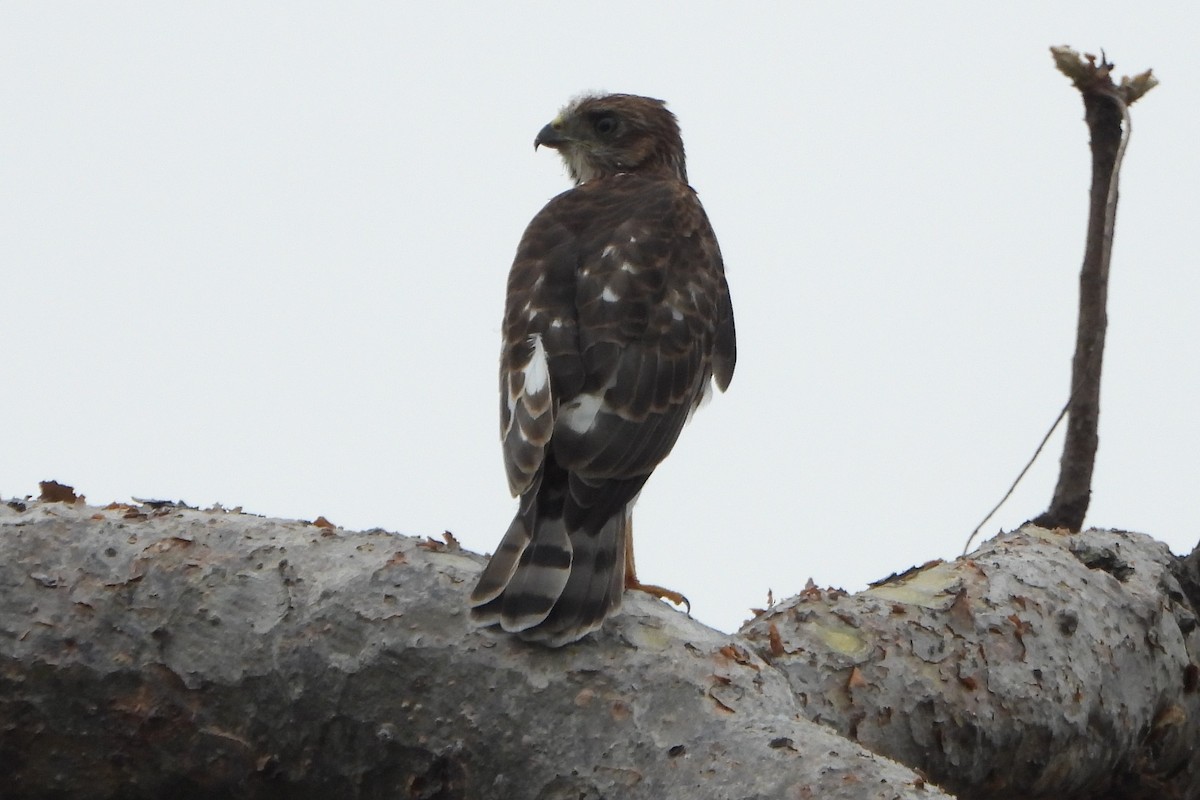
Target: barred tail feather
[[525, 575], [594, 589], [499, 571], [542, 572], [554, 586]]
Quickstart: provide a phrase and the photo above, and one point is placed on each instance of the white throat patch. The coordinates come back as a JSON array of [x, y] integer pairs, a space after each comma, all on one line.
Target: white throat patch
[[577, 164]]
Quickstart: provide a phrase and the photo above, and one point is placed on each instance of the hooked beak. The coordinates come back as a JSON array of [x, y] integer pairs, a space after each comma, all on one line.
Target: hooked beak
[[551, 136]]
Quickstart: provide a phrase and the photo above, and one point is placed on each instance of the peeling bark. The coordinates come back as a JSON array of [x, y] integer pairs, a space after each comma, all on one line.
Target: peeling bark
[[1042, 665], [171, 652], [174, 652]]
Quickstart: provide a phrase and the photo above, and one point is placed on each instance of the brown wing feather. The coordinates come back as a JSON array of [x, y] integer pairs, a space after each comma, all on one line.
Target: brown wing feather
[[539, 311], [651, 327]]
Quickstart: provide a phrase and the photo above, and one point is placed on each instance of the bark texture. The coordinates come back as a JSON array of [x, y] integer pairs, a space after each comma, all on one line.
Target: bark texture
[[1043, 665], [174, 652], [170, 652]]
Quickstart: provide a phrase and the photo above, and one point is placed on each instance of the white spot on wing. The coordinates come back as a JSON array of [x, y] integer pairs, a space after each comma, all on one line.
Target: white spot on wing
[[609, 296], [607, 251], [537, 371], [627, 267], [512, 408], [580, 414]]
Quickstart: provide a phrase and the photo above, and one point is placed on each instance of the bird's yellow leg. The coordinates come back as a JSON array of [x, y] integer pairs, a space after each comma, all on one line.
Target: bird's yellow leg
[[632, 582]]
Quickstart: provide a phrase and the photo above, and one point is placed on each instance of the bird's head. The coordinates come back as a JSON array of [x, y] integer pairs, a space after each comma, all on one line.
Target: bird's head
[[603, 135]]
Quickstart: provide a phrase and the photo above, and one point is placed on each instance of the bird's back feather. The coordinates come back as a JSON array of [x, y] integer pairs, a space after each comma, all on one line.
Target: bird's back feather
[[617, 321]]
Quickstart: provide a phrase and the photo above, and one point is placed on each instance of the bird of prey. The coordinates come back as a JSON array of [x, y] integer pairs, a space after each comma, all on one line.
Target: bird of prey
[[617, 322]]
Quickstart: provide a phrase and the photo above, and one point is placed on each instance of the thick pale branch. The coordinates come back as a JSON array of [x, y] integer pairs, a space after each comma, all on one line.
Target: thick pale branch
[[151, 652], [1043, 665], [185, 653]]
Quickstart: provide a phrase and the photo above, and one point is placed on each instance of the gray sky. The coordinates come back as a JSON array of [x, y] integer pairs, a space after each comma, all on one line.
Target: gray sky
[[255, 254]]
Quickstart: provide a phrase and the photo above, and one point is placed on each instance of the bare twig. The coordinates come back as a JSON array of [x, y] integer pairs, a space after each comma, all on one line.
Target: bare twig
[[1073, 492], [1013, 488], [1107, 116]]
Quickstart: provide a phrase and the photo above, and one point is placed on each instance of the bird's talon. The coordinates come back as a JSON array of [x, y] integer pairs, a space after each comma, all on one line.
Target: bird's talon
[[663, 593]]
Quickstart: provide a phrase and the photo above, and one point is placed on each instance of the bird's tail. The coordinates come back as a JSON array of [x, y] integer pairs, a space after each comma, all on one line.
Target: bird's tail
[[551, 583]]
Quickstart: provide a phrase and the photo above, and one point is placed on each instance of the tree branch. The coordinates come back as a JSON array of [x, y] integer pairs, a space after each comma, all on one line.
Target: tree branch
[[1042, 666], [1107, 114], [170, 652], [155, 650]]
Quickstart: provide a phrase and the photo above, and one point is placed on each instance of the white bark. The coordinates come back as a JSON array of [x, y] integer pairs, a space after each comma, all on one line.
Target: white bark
[[1044, 665], [184, 653], [147, 653]]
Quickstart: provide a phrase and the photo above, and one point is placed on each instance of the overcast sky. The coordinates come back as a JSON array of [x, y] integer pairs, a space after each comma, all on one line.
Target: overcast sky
[[255, 254]]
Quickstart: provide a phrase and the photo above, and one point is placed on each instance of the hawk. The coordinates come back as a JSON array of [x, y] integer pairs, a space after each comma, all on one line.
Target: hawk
[[616, 324]]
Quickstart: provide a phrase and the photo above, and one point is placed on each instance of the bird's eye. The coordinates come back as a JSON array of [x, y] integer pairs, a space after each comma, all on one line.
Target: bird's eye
[[606, 124]]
